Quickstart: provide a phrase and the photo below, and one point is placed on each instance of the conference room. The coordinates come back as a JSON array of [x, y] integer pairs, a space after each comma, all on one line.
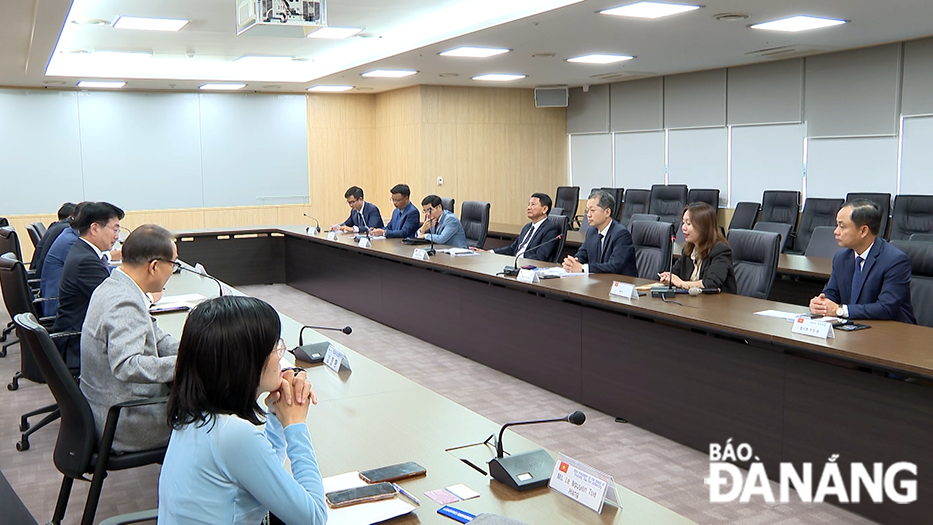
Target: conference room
[[230, 142]]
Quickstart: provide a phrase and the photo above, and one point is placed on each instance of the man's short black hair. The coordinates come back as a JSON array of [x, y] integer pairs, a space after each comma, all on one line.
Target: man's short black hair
[[543, 199], [67, 210], [605, 200], [866, 213], [401, 189], [355, 191], [99, 212], [148, 242], [433, 200]]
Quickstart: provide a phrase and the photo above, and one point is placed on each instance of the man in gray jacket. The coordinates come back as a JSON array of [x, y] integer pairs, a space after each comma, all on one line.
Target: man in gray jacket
[[125, 356]]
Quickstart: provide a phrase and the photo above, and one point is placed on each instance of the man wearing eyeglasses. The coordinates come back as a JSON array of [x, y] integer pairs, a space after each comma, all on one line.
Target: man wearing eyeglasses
[[440, 226], [86, 266], [125, 356], [363, 214], [404, 221]]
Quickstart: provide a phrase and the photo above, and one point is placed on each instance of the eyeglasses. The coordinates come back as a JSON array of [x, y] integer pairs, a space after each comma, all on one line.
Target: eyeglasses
[[281, 348], [351, 203], [176, 266]]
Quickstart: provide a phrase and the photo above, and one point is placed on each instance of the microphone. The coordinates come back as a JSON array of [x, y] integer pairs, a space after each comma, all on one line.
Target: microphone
[[314, 353], [431, 250], [513, 270], [528, 470], [696, 290], [316, 229], [203, 273]]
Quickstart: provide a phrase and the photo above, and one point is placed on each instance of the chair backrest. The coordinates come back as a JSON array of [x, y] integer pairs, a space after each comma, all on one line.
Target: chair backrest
[[816, 212], [925, 237], [448, 204], [40, 228], [4, 221], [822, 242], [652, 240], [635, 201], [709, 196], [920, 254], [17, 297], [563, 224], [14, 510], [755, 258], [780, 206], [884, 202], [77, 436], [619, 195], [9, 242], [779, 228], [474, 215], [568, 198], [912, 214], [746, 213], [667, 202], [34, 234], [644, 217]]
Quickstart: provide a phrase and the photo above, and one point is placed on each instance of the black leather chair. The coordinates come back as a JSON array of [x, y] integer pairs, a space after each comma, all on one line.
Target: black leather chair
[[920, 254], [781, 206], [474, 215], [816, 212], [667, 202], [652, 240], [644, 217], [912, 214], [884, 202], [755, 258], [822, 242], [619, 195], [448, 204], [568, 199], [746, 213], [563, 225], [779, 228], [4, 221], [9, 242], [77, 451], [635, 201], [709, 196], [925, 237], [34, 234]]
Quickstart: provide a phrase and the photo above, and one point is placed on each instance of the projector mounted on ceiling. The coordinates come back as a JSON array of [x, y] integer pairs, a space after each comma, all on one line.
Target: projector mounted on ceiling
[[280, 18]]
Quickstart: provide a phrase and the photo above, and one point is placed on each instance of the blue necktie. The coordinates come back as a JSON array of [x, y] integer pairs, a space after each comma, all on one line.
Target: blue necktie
[[855, 276]]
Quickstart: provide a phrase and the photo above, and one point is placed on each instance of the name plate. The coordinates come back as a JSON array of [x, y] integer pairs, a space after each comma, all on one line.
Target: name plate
[[813, 328], [583, 484], [335, 359], [331, 236], [420, 254], [364, 242], [528, 276], [624, 290]]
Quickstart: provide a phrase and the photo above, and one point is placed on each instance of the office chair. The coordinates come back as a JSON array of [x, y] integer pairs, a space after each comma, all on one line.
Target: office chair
[[34, 235], [77, 451], [822, 242], [816, 212], [779, 228], [619, 195], [474, 216], [912, 214], [745, 215], [636, 201], [448, 204], [755, 258], [568, 199], [925, 237], [709, 196], [781, 206], [667, 202], [920, 254], [643, 217], [883, 200], [652, 240], [562, 225]]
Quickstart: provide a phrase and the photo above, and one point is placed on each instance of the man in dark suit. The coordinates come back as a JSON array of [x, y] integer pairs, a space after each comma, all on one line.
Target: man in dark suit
[[405, 217], [608, 246], [871, 278], [363, 215], [45, 242], [539, 230], [85, 268]]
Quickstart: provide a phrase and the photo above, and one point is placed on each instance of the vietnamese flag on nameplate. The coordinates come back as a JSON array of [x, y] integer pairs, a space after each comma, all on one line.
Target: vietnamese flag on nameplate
[[564, 467]]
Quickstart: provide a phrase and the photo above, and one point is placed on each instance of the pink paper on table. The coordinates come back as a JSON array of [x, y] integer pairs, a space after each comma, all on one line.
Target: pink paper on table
[[442, 496]]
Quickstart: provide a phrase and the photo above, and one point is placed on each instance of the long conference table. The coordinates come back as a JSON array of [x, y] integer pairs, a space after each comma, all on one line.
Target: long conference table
[[372, 417], [700, 372]]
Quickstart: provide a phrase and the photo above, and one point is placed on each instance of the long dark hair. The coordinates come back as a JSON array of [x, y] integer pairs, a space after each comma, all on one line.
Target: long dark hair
[[223, 348], [706, 224]]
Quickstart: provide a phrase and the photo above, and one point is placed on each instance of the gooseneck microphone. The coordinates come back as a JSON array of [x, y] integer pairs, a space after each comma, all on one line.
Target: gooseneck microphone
[[527, 470], [313, 230], [346, 329], [365, 226], [314, 353], [431, 250], [513, 270], [203, 273], [696, 290]]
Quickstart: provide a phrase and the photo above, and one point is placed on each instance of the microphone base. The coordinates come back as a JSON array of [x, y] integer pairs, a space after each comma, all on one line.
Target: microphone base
[[431, 252], [312, 353], [664, 292], [525, 471], [312, 230], [510, 271]]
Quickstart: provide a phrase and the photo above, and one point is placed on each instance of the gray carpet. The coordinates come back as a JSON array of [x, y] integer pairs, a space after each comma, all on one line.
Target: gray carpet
[[660, 469]]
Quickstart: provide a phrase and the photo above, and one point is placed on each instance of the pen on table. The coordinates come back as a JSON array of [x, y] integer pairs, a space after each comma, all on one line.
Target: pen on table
[[407, 494]]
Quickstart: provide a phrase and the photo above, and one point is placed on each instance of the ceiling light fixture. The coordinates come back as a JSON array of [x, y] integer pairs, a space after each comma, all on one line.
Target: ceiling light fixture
[[499, 77], [599, 59], [101, 84], [221, 87], [730, 17], [335, 33], [329, 89], [389, 73], [798, 23], [649, 10], [473, 52], [149, 24], [252, 60], [91, 22]]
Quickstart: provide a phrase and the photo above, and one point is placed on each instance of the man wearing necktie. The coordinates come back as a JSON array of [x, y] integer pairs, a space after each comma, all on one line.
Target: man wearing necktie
[[871, 278], [608, 246], [528, 244]]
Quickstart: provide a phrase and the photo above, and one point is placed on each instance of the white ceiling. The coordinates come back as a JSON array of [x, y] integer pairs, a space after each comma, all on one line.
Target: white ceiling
[[686, 42]]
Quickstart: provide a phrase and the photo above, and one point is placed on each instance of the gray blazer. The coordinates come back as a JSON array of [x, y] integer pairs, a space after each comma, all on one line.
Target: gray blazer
[[125, 357]]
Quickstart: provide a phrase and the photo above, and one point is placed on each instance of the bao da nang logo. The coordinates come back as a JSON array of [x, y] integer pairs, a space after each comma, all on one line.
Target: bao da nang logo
[[813, 482]]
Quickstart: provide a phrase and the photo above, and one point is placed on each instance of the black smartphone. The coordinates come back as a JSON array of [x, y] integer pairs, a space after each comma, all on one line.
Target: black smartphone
[[851, 327], [393, 472], [344, 498]]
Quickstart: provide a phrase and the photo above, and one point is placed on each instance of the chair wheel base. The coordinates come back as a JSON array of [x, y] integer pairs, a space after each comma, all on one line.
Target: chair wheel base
[[13, 386], [3, 353], [24, 426], [22, 446]]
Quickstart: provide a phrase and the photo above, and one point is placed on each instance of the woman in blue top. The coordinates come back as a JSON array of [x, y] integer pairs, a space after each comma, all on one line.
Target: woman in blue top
[[224, 462]]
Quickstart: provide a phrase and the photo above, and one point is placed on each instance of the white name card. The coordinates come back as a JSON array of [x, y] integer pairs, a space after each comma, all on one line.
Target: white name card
[[528, 276], [583, 484], [364, 242], [335, 359], [624, 290], [420, 254], [331, 236], [813, 328]]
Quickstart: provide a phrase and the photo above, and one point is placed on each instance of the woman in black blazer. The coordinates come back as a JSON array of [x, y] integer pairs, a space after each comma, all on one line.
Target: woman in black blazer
[[705, 248]]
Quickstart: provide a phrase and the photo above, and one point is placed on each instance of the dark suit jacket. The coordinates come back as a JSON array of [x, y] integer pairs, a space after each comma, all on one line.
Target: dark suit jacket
[[716, 270], [83, 273], [370, 212], [45, 243], [884, 290], [547, 231], [619, 253], [403, 223]]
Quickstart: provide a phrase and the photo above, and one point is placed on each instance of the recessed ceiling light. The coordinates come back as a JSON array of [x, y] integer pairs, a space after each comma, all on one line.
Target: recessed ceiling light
[[329, 89], [389, 73], [149, 24], [499, 77], [473, 52], [798, 23], [449, 75], [599, 59], [101, 84], [222, 87], [91, 22], [335, 33], [731, 17], [544, 55], [649, 10]]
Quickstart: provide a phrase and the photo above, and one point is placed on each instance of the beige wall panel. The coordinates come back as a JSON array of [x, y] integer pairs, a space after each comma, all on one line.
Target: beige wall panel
[[398, 107], [469, 105], [540, 116]]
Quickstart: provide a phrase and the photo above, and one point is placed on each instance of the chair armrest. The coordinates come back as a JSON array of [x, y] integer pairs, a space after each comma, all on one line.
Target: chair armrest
[[58, 335], [44, 299], [113, 415], [47, 321]]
